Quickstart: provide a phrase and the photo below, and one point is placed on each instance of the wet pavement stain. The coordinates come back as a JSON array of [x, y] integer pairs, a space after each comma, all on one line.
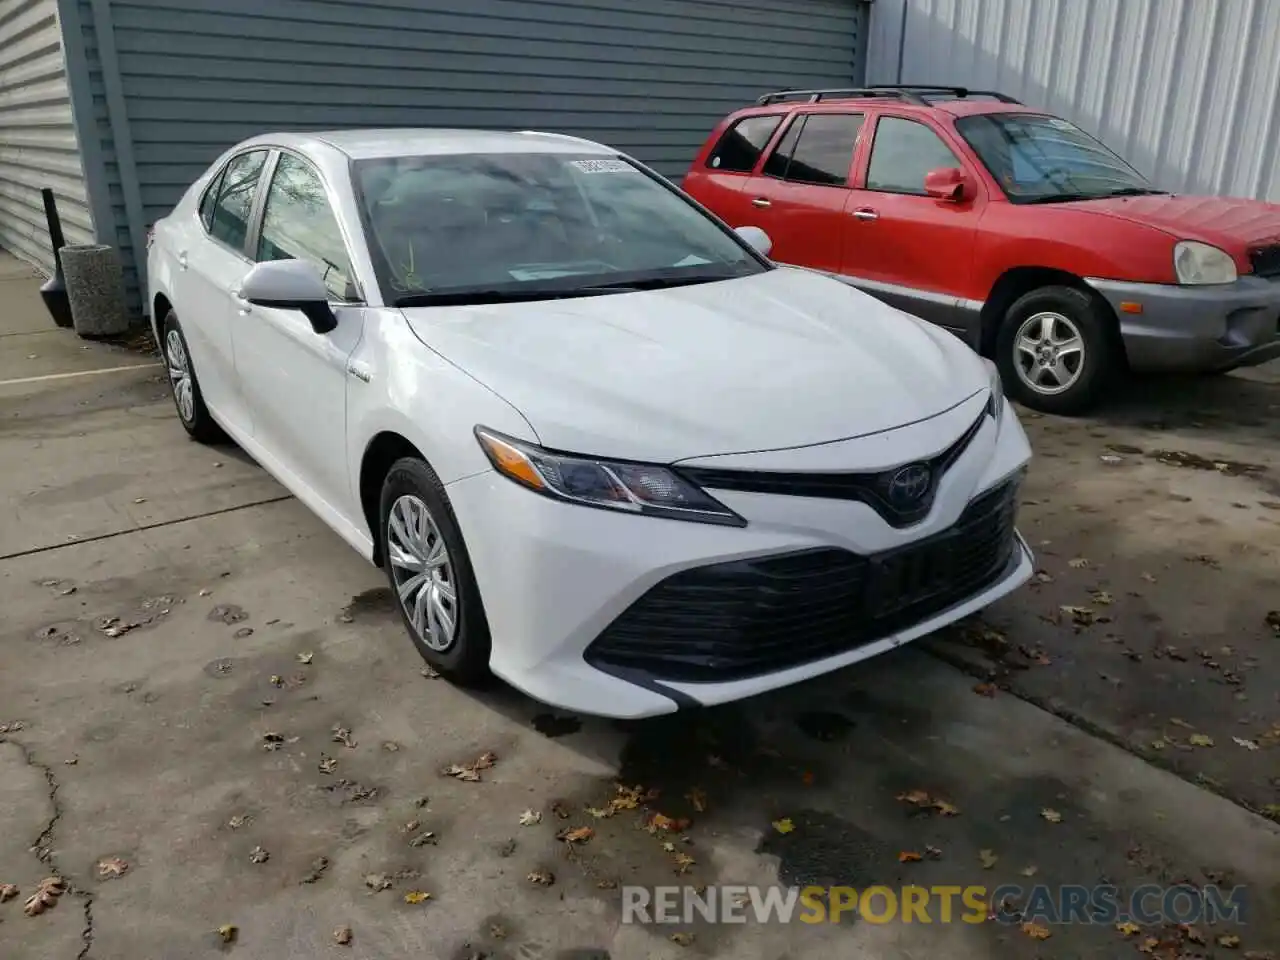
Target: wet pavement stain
[[826, 850], [1230, 468], [824, 725], [552, 726], [375, 602]]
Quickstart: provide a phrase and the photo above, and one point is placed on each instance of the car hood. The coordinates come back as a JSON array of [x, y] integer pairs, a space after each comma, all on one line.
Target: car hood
[[1232, 223], [786, 358]]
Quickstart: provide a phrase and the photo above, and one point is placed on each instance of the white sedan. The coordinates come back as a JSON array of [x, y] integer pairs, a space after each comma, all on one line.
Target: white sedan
[[602, 447]]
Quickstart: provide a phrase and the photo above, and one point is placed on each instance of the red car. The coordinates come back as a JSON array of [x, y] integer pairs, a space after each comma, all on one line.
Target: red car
[[1011, 227]]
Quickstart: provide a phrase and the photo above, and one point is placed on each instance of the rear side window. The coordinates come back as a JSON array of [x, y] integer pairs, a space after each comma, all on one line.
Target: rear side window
[[230, 222], [742, 144], [903, 152], [209, 199], [817, 149]]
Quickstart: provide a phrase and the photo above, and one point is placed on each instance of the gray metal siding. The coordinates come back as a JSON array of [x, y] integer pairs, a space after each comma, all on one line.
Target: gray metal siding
[[37, 136], [192, 77], [1187, 90]]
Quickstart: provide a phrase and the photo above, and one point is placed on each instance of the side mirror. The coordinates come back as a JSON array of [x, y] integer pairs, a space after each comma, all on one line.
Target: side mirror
[[291, 285], [946, 183], [757, 238]]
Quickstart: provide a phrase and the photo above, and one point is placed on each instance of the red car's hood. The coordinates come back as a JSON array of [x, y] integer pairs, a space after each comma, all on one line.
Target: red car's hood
[[1231, 223]]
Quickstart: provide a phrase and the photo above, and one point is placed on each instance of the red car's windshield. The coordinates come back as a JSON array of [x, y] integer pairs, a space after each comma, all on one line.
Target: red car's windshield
[[1041, 159]]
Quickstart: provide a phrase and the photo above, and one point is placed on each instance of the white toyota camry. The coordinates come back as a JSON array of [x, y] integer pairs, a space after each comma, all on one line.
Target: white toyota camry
[[600, 444]]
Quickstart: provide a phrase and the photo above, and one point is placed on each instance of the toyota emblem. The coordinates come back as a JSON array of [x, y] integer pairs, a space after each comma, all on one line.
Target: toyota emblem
[[909, 485]]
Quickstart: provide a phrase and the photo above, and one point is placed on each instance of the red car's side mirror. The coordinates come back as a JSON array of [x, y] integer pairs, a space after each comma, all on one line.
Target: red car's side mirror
[[946, 183]]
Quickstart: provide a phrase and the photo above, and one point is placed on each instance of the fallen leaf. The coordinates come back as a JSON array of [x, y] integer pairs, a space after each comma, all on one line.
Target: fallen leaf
[[1029, 871], [377, 882], [668, 846], [111, 867], [430, 673], [8, 891], [1259, 955], [985, 689], [390, 746], [946, 809], [576, 835], [342, 936], [987, 858], [684, 939], [318, 866], [1200, 740], [258, 855], [1101, 597], [933, 853], [306, 657], [416, 896], [530, 818], [228, 932], [909, 856], [1149, 578], [1178, 722], [1271, 810], [1079, 563], [1082, 616], [1053, 816], [1247, 744], [276, 680], [917, 797], [684, 862], [560, 810], [238, 821], [784, 825], [1041, 576], [808, 778], [1228, 940], [698, 798], [1128, 928], [53, 885], [1192, 934], [342, 735], [1037, 931], [543, 878], [470, 772], [327, 763]]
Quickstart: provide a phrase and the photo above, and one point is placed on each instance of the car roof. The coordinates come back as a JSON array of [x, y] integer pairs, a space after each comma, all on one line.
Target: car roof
[[955, 106], [363, 144]]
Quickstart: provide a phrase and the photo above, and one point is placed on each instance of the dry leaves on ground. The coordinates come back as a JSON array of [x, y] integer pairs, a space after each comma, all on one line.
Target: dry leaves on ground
[[327, 763], [1200, 740], [377, 882], [784, 825], [258, 855], [470, 772], [45, 897], [1128, 928], [8, 891], [684, 939], [924, 801], [909, 856], [1053, 816], [988, 859], [342, 936], [576, 835], [414, 897], [342, 735], [110, 867], [228, 933], [530, 818], [1078, 563], [543, 878], [698, 798], [1228, 940], [683, 862], [1037, 931], [985, 689], [306, 657]]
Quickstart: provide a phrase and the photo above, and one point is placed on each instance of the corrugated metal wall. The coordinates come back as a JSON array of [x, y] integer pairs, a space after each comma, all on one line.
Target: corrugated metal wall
[[175, 82], [1187, 90], [37, 137]]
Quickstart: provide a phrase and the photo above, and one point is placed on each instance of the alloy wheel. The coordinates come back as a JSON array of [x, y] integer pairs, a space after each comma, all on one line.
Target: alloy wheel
[[180, 376], [1049, 353], [423, 572]]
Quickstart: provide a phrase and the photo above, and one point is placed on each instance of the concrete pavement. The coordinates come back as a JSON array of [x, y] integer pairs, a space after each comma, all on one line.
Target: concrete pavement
[[182, 640]]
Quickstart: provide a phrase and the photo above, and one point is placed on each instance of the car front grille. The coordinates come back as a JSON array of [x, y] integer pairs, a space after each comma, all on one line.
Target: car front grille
[[1266, 261], [869, 488], [729, 621]]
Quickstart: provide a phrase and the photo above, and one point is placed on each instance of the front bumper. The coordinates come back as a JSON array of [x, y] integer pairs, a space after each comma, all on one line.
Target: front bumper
[[1193, 329], [555, 578]]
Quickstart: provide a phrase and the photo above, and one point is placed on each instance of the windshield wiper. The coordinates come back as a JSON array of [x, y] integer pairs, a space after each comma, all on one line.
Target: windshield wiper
[[672, 277], [1137, 192], [1063, 197], [466, 298]]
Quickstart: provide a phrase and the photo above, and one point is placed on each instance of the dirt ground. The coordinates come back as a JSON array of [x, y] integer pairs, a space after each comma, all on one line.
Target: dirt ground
[[210, 717]]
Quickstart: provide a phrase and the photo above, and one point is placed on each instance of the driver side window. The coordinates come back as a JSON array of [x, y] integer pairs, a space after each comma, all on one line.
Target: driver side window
[[298, 223], [903, 152]]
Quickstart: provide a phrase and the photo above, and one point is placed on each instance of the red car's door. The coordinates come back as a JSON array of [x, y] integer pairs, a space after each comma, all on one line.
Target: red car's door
[[908, 248], [717, 179], [800, 193]]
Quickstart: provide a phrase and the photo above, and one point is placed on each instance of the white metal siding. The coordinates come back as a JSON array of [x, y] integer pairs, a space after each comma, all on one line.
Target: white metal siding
[[37, 137], [1187, 90]]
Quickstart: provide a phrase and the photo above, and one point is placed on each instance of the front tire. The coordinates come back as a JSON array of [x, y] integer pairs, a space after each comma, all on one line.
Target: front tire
[[192, 412], [427, 564], [1056, 351]]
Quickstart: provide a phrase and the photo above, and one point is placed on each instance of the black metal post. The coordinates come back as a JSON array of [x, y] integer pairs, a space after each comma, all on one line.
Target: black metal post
[[54, 291]]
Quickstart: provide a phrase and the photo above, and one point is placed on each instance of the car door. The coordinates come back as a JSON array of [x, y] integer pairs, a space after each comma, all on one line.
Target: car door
[[719, 180], [906, 247], [799, 194], [211, 258], [295, 379]]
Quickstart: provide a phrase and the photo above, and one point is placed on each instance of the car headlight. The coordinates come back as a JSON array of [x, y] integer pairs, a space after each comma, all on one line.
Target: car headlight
[[1200, 263], [995, 406], [640, 488]]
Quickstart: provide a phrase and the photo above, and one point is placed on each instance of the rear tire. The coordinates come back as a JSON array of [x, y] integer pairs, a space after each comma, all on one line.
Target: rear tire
[[430, 573], [188, 399], [1056, 350]]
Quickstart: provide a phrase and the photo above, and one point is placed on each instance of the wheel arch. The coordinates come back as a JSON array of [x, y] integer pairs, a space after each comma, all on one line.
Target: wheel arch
[[160, 307], [1015, 283], [383, 450]]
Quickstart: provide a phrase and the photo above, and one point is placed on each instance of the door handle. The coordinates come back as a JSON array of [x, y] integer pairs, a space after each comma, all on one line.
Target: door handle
[[760, 202], [865, 213], [182, 259], [245, 307]]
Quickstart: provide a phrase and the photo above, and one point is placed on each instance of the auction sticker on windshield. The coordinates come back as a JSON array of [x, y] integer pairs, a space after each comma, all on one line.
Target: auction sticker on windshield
[[604, 166]]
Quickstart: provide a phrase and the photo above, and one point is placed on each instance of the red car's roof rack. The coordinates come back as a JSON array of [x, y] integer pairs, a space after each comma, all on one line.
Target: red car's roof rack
[[918, 94]]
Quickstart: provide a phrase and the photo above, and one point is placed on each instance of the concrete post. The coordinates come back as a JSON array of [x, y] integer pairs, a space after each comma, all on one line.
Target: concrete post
[[95, 287]]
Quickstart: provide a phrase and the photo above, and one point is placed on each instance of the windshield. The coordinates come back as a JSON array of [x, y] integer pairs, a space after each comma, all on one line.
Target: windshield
[[491, 227], [1040, 159]]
